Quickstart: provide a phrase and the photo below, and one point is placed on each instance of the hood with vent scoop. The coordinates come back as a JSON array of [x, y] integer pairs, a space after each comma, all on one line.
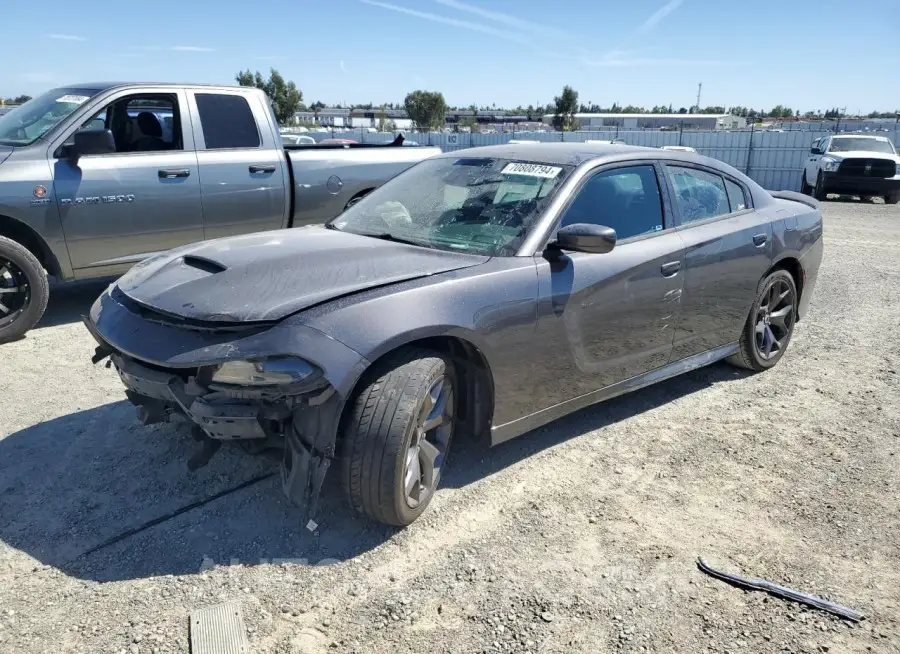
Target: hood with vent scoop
[[269, 275]]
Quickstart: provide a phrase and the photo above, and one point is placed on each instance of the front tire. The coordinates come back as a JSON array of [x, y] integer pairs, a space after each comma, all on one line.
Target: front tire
[[892, 199], [805, 188], [819, 189], [397, 434], [770, 325], [24, 290]]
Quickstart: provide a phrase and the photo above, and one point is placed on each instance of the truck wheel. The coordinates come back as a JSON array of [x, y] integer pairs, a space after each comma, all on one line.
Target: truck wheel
[[396, 436], [819, 189], [770, 325], [23, 290], [892, 199], [805, 188]]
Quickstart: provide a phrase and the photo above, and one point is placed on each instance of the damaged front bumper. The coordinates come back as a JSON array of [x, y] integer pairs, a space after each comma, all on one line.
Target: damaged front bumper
[[167, 372]]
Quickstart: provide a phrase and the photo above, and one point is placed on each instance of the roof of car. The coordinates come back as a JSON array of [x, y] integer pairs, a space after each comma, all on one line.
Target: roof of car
[[573, 154], [105, 86]]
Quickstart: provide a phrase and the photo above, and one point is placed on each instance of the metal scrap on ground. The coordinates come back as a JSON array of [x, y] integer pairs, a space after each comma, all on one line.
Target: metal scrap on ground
[[219, 629], [781, 591]]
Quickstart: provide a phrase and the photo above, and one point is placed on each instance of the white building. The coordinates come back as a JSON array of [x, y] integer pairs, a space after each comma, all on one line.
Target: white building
[[655, 121]]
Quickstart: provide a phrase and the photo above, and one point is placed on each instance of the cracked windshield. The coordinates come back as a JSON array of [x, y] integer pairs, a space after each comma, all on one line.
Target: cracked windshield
[[477, 205]]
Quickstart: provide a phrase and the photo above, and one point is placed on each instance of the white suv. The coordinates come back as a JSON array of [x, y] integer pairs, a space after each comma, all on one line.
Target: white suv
[[854, 164]]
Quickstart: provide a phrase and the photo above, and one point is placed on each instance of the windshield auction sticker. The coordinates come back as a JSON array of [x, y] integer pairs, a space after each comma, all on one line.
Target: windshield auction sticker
[[73, 99], [531, 170]]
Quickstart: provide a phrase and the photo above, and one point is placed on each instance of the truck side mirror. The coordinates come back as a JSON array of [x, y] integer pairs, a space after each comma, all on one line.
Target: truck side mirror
[[94, 141]]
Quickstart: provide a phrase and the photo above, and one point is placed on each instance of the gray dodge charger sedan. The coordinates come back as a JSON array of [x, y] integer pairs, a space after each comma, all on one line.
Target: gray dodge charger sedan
[[482, 292]]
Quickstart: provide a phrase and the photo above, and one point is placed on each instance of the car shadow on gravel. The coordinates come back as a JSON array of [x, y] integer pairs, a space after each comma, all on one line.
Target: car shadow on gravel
[[474, 460], [70, 484], [69, 301]]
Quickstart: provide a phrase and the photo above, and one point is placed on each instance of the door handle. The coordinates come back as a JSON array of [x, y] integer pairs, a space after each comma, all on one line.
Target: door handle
[[256, 168], [172, 173], [670, 269], [760, 239]]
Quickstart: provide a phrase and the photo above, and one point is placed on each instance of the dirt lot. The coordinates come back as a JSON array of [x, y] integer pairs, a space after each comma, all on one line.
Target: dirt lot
[[581, 537]]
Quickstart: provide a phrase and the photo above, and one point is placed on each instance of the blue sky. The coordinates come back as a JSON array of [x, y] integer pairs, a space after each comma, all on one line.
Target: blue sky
[[807, 54]]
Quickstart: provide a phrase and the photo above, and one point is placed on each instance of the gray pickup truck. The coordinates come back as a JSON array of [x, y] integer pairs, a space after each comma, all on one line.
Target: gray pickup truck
[[96, 177]]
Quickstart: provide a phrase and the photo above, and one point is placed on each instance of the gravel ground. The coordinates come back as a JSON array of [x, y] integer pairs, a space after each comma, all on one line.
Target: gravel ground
[[580, 537]]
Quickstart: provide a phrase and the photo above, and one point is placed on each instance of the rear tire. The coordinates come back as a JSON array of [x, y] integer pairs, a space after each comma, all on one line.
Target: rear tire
[[24, 290], [397, 434], [805, 188], [865, 198], [770, 325], [892, 199]]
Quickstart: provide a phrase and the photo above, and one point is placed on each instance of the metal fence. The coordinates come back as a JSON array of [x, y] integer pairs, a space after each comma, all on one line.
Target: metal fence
[[773, 159]]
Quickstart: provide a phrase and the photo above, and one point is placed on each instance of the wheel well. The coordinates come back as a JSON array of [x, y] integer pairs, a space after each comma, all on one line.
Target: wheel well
[[473, 378], [358, 196], [29, 239], [792, 266]]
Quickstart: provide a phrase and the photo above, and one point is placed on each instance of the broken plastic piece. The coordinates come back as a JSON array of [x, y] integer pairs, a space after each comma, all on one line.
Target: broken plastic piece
[[208, 448], [781, 591]]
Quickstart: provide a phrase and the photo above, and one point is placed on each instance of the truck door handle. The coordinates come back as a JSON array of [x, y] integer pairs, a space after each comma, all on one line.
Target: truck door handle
[[670, 269], [760, 239], [172, 173], [256, 168]]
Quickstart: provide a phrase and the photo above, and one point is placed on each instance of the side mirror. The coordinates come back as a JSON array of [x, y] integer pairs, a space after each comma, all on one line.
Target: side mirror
[[583, 237], [99, 141]]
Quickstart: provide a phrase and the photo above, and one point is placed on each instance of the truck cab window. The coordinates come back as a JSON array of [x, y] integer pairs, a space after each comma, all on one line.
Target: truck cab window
[[227, 121], [140, 123]]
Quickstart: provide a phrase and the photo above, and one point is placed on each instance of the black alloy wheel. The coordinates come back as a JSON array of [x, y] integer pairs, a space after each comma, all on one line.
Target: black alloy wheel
[[24, 290], [774, 319], [429, 444], [770, 325], [396, 434], [15, 292]]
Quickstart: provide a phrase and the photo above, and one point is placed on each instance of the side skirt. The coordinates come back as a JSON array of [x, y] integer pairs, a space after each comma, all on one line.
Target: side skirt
[[510, 430]]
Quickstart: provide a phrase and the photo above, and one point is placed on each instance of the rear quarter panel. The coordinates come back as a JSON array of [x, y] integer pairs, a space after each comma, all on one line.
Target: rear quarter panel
[[325, 180], [799, 235]]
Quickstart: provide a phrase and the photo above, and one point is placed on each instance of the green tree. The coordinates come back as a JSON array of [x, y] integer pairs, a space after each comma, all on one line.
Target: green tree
[[286, 98], [565, 106], [19, 99], [426, 108]]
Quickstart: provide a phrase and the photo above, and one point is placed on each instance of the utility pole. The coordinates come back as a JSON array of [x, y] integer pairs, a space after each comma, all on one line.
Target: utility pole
[[699, 88]]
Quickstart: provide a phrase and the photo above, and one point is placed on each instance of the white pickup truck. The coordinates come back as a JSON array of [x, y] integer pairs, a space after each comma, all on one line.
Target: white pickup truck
[[852, 164]]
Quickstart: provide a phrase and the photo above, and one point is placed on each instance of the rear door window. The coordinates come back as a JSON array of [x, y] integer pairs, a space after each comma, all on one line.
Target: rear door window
[[226, 121], [699, 194], [736, 196]]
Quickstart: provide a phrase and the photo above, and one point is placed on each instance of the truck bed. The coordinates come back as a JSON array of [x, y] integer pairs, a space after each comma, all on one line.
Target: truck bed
[[327, 178]]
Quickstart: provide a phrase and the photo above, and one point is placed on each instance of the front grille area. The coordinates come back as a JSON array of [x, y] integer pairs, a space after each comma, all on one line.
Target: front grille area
[[859, 167], [164, 318]]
